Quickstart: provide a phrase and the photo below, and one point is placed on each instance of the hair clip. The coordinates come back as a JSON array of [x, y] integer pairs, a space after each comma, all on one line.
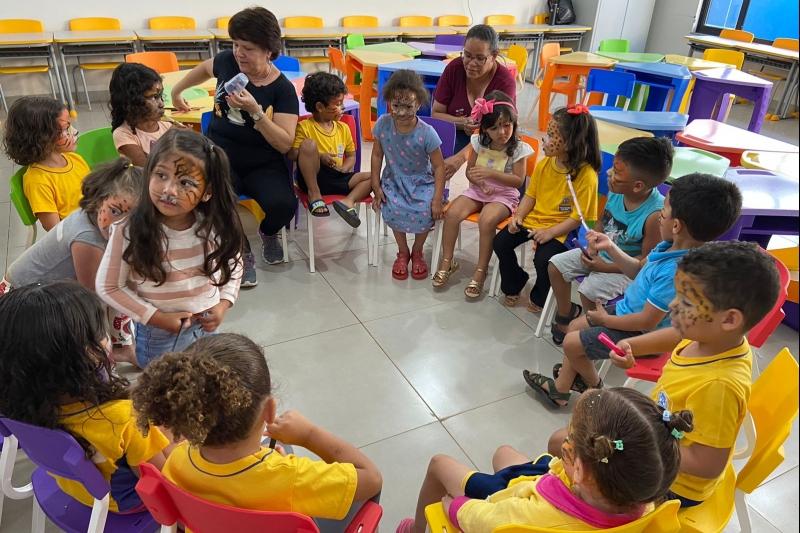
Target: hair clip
[[677, 434], [666, 416], [577, 109], [618, 445], [604, 460]]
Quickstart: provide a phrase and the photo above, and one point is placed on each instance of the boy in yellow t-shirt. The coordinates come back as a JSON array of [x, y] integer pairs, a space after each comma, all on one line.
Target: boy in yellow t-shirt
[[325, 153]]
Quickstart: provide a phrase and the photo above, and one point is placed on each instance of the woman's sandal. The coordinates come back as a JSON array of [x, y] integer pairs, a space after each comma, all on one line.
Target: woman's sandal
[[533, 308], [561, 320], [537, 383], [578, 385], [441, 277], [510, 300], [474, 288], [419, 268], [319, 209], [400, 266]]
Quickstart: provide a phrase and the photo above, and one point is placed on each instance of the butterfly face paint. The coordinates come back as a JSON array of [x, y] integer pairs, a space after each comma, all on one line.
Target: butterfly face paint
[[177, 185]]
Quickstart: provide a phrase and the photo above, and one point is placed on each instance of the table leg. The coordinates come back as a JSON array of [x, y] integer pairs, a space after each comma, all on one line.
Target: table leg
[[537, 50], [70, 103], [54, 62], [365, 99], [677, 96], [788, 92], [760, 106]]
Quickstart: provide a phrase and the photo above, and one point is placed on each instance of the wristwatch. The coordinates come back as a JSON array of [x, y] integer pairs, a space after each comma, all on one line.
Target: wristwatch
[[257, 116]]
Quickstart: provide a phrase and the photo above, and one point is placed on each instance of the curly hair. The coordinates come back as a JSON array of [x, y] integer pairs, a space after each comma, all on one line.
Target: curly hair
[[508, 113], [109, 179], [621, 437], [210, 394], [406, 80], [129, 82], [580, 135], [259, 26], [51, 348], [219, 221], [321, 87], [32, 129]]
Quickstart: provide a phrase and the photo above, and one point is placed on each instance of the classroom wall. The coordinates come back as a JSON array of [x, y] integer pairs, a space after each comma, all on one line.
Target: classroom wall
[[672, 20], [54, 15]]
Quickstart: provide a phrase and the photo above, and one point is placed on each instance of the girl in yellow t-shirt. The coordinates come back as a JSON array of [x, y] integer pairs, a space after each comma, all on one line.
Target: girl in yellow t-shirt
[[548, 211], [217, 395], [39, 135]]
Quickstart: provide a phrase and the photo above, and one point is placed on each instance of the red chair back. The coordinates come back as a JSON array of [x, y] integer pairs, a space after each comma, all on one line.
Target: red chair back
[[759, 333]]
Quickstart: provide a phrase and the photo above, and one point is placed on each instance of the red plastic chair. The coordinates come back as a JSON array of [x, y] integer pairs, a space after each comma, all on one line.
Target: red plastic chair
[[171, 505]]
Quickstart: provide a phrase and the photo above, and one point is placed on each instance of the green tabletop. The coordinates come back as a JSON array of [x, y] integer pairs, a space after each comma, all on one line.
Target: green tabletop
[[633, 57], [393, 47], [191, 93], [687, 160]]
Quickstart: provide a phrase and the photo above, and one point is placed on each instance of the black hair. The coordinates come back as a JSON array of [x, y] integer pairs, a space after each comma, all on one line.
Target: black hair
[[321, 87], [484, 33], [31, 129], [51, 352], [109, 179], [127, 103], [406, 80], [219, 220], [706, 204], [650, 158], [258, 26], [735, 275], [579, 131], [507, 112]]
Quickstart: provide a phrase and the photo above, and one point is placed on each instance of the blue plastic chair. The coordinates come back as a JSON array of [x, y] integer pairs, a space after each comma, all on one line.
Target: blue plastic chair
[[287, 63], [456, 40], [614, 84]]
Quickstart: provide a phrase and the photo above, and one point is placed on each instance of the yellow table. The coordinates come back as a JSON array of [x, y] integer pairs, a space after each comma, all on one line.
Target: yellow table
[[425, 31], [199, 106], [367, 62], [221, 39], [693, 63], [33, 45], [783, 163], [613, 135], [379, 32], [172, 78], [197, 41]]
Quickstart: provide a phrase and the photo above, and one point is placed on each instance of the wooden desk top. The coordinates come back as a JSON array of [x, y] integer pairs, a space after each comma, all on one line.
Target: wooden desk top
[[412, 31], [379, 31], [564, 28], [172, 78], [518, 28], [334, 32], [373, 59], [583, 59], [220, 34], [98, 36], [753, 48], [693, 63], [26, 39], [174, 35]]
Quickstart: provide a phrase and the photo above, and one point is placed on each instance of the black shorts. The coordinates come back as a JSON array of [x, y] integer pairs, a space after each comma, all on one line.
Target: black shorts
[[596, 350], [330, 181], [480, 485]]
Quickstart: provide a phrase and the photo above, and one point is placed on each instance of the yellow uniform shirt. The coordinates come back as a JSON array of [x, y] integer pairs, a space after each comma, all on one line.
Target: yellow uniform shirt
[[116, 446], [266, 481], [338, 142], [716, 389], [55, 190], [554, 203]]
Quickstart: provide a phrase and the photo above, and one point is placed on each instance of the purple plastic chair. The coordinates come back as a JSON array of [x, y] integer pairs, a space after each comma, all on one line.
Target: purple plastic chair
[[57, 452], [457, 40], [8, 456]]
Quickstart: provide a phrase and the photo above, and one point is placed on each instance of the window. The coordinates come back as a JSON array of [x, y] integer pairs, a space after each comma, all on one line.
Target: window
[[767, 19]]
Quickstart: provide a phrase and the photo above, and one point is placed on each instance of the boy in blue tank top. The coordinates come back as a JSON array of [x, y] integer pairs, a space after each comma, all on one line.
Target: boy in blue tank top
[[630, 220]]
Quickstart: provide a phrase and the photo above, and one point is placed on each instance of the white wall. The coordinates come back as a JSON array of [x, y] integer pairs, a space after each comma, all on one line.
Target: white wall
[[672, 20]]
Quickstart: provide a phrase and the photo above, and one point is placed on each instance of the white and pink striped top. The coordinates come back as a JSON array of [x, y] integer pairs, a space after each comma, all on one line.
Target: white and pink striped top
[[186, 288]]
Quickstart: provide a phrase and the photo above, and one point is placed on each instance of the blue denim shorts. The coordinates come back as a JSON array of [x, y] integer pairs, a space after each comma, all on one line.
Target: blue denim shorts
[[152, 342]]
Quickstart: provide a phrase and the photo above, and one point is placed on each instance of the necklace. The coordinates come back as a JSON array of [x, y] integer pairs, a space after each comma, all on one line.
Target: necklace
[[265, 77]]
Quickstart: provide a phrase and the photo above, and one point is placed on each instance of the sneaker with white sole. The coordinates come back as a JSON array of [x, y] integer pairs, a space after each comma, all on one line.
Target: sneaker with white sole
[[271, 248], [249, 275]]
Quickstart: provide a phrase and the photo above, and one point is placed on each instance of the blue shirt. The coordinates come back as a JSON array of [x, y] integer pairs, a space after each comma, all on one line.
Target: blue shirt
[[654, 284], [626, 228]]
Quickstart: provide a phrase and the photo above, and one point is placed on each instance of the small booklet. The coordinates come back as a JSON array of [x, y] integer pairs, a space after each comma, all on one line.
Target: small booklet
[[494, 159]]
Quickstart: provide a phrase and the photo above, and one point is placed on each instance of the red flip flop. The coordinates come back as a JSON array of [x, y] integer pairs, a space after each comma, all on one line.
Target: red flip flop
[[400, 266], [419, 268]]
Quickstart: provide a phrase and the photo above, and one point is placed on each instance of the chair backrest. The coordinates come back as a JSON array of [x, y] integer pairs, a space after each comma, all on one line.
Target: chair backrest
[[94, 23], [57, 452], [498, 20], [336, 59], [172, 23], [613, 83], [519, 54], [351, 123], [733, 58], [360, 21], [614, 45], [415, 20], [21, 26], [222, 23], [773, 406], [97, 146], [287, 63], [205, 121], [548, 50], [530, 164], [456, 40], [161, 62], [737, 35], [170, 504], [787, 43], [355, 40], [453, 20], [19, 199], [759, 333], [446, 131], [303, 22]]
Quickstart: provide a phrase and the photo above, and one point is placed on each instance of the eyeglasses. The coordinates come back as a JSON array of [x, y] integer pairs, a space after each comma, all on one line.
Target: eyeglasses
[[466, 57]]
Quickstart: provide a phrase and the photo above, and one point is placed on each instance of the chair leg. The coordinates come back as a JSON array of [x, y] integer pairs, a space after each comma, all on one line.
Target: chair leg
[[7, 460], [97, 522], [52, 83], [37, 518], [369, 237], [458, 239], [3, 99], [285, 243], [549, 306], [310, 224], [437, 246], [86, 90], [742, 513]]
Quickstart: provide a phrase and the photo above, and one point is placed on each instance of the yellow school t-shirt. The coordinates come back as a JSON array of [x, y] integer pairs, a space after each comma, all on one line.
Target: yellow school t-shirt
[[338, 142], [266, 481], [554, 203], [116, 446], [55, 190], [716, 389]]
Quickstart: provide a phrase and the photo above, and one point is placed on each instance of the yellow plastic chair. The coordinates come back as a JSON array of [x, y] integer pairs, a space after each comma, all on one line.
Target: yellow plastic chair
[[663, 519], [415, 21], [171, 23], [360, 21], [499, 20], [25, 26], [519, 54], [773, 407], [92, 24], [453, 20], [737, 35], [303, 22], [222, 23], [540, 18]]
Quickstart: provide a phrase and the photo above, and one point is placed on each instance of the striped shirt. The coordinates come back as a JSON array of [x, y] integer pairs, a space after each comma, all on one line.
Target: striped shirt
[[186, 287]]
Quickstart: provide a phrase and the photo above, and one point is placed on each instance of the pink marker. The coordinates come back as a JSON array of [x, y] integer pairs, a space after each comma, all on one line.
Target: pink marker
[[605, 339]]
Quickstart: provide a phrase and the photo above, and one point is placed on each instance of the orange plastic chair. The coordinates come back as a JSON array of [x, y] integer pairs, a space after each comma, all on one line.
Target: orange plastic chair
[[415, 21], [360, 21], [499, 20], [25, 26], [161, 62], [453, 20], [222, 23], [171, 23], [303, 22], [92, 24], [737, 35], [336, 58]]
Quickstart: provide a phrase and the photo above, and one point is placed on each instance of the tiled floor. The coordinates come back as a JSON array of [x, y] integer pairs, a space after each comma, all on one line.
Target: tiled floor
[[404, 371]]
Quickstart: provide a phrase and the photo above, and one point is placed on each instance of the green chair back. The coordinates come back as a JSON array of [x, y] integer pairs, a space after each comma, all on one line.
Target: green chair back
[[614, 45], [19, 200], [97, 147], [355, 40]]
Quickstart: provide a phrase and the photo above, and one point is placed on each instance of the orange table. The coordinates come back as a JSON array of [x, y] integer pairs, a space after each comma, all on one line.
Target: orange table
[[367, 62]]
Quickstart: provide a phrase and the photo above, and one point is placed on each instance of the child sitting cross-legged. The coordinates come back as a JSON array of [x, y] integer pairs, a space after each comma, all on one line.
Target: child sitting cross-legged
[[325, 153], [697, 209]]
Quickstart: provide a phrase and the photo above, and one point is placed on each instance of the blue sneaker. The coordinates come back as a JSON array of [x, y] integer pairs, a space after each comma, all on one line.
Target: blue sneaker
[[249, 275], [271, 248]]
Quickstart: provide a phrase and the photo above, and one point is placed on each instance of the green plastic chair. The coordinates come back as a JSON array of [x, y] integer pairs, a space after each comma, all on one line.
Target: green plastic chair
[[614, 45], [97, 147], [355, 40], [22, 206]]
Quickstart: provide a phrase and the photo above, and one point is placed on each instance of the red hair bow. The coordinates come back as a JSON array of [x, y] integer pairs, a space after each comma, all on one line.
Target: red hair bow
[[577, 109]]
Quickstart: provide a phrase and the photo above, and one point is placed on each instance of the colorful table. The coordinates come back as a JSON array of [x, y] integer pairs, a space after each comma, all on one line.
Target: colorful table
[[711, 86], [611, 136], [659, 123], [687, 160], [783, 163], [436, 51], [729, 141], [632, 57], [393, 47], [192, 41], [429, 69], [692, 63], [660, 79]]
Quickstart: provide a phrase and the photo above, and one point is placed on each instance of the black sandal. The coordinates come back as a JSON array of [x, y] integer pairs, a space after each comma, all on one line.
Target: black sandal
[[578, 385], [561, 320], [537, 383]]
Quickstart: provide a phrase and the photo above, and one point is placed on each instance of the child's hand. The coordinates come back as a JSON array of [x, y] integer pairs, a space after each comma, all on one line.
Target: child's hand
[[595, 264], [477, 174], [451, 166], [541, 236], [211, 318], [171, 322], [437, 209], [599, 241], [598, 316], [514, 225], [626, 362], [327, 160], [291, 428], [378, 198]]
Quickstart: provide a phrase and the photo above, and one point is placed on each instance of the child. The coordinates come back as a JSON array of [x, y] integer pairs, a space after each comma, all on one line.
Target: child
[[175, 263], [409, 195], [220, 401], [325, 153], [698, 208], [39, 135], [619, 457], [56, 374], [548, 211], [496, 171], [630, 219], [137, 106]]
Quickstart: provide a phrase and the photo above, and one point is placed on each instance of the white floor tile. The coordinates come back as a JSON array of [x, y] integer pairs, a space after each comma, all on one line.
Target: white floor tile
[[777, 501]]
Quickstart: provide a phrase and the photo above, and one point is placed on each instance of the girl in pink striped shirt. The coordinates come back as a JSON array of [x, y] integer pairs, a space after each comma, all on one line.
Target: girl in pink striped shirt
[[174, 264]]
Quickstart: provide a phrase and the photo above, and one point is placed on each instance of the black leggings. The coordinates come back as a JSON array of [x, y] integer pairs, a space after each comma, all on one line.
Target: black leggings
[[512, 276], [271, 188]]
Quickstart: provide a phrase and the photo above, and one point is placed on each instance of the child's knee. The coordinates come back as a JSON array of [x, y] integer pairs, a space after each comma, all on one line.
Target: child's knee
[[555, 442], [308, 148], [573, 348], [554, 272]]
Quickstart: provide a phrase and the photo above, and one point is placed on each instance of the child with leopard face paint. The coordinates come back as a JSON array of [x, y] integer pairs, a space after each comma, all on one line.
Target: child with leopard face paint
[[175, 265]]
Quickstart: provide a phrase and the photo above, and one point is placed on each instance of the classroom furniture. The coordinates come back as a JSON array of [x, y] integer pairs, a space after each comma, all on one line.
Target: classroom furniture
[[360, 21], [497, 20], [613, 84], [222, 23], [614, 45], [527, 36], [178, 35], [336, 59], [773, 75], [312, 38], [22, 206], [692, 63], [8, 456], [429, 70], [366, 63], [632, 57], [305, 22], [394, 47], [790, 258], [355, 40], [712, 86], [26, 39], [687, 160], [161, 62], [610, 137], [452, 40], [415, 20], [453, 20], [519, 55], [727, 140], [436, 51], [783, 163], [57, 452], [660, 79], [615, 19], [286, 63], [659, 123], [97, 146], [737, 35], [772, 407], [171, 78]]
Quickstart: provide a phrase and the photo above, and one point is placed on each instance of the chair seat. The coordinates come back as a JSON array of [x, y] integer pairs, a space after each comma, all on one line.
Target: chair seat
[[24, 70], [71, 515], [649, 368], [189, 62], [474, 217], [714, 513], [99, 66], [313, 59]]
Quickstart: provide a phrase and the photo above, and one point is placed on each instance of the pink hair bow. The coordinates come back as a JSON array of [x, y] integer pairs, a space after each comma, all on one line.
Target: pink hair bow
[[481, 107]]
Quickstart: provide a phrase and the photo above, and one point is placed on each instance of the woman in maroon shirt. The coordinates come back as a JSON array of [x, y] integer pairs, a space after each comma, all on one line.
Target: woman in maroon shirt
[[466, 78]]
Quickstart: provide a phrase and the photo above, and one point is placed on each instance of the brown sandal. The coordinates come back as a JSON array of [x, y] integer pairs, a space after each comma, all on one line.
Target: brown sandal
[[441, 277], [474, 288], [510, 300]]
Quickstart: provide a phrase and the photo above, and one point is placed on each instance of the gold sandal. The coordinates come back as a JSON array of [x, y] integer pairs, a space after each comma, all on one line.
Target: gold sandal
[[474, 288], [510, 300], [441, 277]]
